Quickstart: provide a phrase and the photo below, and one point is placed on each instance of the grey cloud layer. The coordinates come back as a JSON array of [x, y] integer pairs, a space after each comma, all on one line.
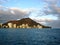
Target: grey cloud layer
[[54, 9], [12, 14]]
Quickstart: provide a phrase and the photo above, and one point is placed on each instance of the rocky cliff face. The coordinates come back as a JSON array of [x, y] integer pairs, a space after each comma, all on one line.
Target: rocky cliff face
[[28, 21]]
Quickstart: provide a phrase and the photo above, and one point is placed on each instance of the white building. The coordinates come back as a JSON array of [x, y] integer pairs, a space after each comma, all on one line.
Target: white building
[[0, 25], [27, 26], [34, 26], [38, 26], [23, 25], [10, 25], [14, 26], [18, 26]]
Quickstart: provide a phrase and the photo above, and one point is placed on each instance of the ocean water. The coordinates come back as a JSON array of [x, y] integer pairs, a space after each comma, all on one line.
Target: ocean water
[[29, 36]]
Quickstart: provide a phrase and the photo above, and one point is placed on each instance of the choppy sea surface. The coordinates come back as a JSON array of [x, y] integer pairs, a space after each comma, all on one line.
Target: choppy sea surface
[[29, 36]]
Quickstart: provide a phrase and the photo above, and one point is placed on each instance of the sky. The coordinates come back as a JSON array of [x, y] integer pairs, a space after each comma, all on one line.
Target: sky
[[46, 12]]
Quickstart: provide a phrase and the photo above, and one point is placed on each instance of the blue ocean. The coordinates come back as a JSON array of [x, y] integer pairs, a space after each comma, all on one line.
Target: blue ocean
[[29, 36]]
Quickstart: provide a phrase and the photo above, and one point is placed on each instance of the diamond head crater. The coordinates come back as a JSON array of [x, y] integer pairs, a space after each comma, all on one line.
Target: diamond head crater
[[22, 23]]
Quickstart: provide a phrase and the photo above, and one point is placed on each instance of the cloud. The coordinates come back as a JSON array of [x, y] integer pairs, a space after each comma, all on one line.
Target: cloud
[[43, 20], [52, 8], [13, 13], [54, 23]]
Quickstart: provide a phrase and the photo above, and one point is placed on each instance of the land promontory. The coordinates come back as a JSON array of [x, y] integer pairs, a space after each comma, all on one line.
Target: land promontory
[[23, 23]]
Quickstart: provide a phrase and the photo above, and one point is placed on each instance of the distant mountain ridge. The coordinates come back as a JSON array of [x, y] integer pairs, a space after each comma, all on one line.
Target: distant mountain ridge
[[28, 21]]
